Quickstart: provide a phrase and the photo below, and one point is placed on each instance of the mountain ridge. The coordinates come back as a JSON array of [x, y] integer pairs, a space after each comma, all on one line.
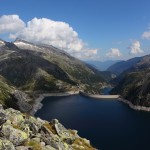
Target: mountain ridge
[[120, 67], [134, 83], [37, 68], [102, 65]]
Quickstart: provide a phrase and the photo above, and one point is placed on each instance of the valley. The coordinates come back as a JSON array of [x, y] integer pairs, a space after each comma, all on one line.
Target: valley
[[36, 69], [31, 73], [74, 75]]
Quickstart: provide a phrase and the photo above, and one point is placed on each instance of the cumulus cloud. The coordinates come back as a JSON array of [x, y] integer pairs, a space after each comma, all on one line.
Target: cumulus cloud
[[114, 52], [10, 24], [135, 48], [47, 31], [55, 33], [146, 34]]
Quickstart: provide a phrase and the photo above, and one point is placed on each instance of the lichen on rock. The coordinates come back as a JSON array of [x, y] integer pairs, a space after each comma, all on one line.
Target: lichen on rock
[[6, 145]]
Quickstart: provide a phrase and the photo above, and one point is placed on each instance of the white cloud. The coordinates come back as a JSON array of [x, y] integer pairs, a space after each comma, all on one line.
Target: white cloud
[[114, 52], [135, 48], [55, 33], [10, 24], [88, 54], [46, 31], [146, 34]]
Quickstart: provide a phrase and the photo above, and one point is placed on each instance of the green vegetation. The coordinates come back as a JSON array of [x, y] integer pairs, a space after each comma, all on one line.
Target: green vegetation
[[47, 70], [43, 69]]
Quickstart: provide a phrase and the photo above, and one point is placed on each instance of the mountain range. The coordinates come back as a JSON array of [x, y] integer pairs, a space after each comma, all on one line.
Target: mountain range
[[37, 68], [102, 65], [121, 66]]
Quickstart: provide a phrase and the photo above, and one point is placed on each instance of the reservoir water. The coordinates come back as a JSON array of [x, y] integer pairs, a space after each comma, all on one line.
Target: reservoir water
[[108, 124]]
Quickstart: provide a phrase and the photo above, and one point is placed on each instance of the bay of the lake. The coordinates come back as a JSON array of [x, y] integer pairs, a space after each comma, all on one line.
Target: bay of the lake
[[108, 124]]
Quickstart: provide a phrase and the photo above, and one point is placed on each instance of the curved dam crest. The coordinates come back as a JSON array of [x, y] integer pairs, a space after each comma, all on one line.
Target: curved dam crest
[[99, 96]]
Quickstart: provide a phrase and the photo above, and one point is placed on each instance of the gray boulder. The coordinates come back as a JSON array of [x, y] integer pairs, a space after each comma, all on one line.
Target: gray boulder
[[15, 136], [22, 100]]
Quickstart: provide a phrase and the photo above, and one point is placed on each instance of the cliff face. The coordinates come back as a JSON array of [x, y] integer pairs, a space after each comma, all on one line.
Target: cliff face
[[134, 83], [22, 132], [11, 97]]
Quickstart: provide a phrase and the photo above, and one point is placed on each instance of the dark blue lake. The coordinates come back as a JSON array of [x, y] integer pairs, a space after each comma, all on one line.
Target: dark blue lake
[[108, 124]]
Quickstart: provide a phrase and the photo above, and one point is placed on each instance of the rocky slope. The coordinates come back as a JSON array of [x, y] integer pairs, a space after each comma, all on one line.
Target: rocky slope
[[22, 132], [34, 68], [134, 83], [11, 97]]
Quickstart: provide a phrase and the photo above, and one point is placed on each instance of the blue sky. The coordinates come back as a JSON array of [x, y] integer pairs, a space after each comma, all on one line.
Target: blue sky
[[98, 29]]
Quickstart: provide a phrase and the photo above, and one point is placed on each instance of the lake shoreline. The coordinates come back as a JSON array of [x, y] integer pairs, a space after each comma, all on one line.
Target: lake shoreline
[[38, 105], [132, 106], [99, 120], [37, 102], [135, 107]]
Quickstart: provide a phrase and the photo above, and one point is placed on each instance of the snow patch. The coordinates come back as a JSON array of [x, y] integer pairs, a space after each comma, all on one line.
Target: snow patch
[[27, 46], [2, 43]]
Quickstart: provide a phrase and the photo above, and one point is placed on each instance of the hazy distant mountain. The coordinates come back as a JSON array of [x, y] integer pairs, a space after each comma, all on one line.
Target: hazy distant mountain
[[102, 65], [134, 83], [121, 66], [107, 75], [36, 67]]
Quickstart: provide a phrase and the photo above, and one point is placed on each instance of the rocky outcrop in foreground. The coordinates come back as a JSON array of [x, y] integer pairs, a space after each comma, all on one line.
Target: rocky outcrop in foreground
[[20, 131]]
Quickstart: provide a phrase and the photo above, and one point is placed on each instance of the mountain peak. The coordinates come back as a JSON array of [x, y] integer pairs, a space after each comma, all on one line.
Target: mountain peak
[[22, 44], [45, 48], [19, 40]]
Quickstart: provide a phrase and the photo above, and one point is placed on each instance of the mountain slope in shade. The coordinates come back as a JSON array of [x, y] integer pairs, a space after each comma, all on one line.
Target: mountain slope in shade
[[134, 83], [120, 67]]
